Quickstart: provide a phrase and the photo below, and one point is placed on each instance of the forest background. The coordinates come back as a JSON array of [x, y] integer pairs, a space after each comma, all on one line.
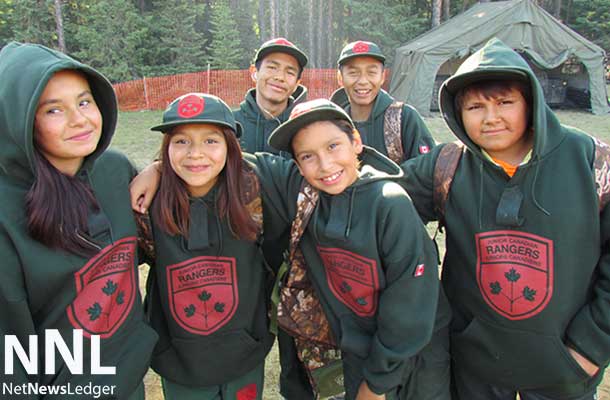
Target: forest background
[[131, 39]]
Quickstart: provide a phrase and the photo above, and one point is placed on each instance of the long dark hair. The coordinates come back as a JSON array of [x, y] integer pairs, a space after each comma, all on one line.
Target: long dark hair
[[57, 206], [171, 209]]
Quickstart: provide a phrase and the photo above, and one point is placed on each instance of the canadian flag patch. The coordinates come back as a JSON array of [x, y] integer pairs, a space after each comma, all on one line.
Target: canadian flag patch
[[419, 270], [423, 149]]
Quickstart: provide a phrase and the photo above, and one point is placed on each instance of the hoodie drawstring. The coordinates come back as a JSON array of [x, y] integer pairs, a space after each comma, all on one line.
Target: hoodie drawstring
[[537, 161], [350, 212]]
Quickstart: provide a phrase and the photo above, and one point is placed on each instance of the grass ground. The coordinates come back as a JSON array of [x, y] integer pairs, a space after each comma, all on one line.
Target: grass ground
[[134, 138]]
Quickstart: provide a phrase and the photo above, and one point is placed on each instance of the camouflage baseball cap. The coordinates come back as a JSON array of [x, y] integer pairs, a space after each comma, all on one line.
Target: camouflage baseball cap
[[198, 108], [302, 115], [281, 45], [359, 49]]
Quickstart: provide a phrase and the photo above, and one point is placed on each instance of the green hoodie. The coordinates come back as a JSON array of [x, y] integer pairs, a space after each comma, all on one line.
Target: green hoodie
[[43, 288], [415, 136], [257, 127], [524, 268], [372, 265], [208, 300]]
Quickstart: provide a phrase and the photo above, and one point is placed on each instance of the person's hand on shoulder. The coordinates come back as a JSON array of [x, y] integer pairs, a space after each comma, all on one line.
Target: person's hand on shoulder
[[144, 186]]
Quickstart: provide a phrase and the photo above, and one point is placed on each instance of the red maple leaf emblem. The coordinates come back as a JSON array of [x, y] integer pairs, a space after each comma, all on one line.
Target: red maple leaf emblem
[[360, 47]]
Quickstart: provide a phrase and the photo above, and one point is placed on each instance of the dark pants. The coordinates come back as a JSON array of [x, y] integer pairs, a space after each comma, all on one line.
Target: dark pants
[[428, 378], [469, 387], [294, 383]]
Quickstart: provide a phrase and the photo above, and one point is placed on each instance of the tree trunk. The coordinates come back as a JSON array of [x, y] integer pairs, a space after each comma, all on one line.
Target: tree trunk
[[557, 9], [272, 19], [484, 1], [59, 22], [436, 13], [286, 20], [320, 45], [330, 42], [262, 21], [311, 34], [446, 9], [568, 12], [464, 5]]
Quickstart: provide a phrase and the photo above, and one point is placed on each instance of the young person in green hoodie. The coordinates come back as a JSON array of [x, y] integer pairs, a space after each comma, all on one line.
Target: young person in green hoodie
[[394, 129], [276, 72], [208, 290], [368, 256], [67, 232], [527, 269]]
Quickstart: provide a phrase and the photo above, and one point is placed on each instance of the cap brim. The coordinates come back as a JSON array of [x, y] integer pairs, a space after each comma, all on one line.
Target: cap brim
[[281, 137], [455, 83], [347, 58], [300, 56], [164, 128]]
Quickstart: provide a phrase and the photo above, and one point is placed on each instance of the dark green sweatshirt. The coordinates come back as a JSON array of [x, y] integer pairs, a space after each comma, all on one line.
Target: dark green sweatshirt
[[372, 265], [527, 268], [43, 288], [208, 300], [416, 138], [257, 126]]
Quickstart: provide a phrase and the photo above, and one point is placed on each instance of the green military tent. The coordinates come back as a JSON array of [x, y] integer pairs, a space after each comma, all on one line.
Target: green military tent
[[569, 66]]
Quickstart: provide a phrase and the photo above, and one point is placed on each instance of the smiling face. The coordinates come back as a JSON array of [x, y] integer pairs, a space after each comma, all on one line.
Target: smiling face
[[498, 123], [68, 123], [362, 78], [276, 79], [197, 154], [326, 157]]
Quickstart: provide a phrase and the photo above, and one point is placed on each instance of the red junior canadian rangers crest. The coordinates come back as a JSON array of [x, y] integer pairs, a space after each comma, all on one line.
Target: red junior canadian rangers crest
[[515, 272], [353, 279], [191, 106], [203, 293], [105, 290]]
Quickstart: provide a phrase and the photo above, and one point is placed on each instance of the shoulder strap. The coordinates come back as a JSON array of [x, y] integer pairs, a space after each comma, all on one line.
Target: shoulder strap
[[444, 171], [392, 137], [306, 203], [602, 172], [252, 197]]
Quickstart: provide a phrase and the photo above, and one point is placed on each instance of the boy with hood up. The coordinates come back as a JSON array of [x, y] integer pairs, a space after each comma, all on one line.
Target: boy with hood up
[[276, 72], [527, 266], [394, 129], [67, 232]]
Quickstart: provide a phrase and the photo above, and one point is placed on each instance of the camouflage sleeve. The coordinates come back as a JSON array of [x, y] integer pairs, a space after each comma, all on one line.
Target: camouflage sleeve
[[589, 330], [408, 303], [416, 138]]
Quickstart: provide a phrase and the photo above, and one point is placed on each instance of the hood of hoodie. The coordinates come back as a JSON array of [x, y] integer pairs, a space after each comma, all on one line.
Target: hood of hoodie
[[252, 111], [497, 58], [25, 70], [382, 102]]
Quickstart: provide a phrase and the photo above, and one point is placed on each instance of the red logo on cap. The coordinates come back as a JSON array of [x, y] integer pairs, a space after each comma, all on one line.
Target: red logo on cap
[[284, 42], [360, 47], [302, 108], [191, 106]]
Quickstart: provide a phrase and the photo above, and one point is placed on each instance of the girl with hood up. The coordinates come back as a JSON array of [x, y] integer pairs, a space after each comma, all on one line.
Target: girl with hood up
[[67, 233]]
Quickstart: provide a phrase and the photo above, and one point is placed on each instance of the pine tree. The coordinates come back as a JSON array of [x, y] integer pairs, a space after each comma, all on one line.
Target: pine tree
[[225, 49], [176, 45], [33, 22], [111, 38]]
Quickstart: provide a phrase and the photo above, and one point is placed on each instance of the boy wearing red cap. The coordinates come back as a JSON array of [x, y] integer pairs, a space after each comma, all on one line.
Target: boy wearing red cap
[[392, 128]]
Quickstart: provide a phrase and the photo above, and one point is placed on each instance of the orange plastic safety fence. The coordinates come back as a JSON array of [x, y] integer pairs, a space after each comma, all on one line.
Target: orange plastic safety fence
[[156, 93]]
